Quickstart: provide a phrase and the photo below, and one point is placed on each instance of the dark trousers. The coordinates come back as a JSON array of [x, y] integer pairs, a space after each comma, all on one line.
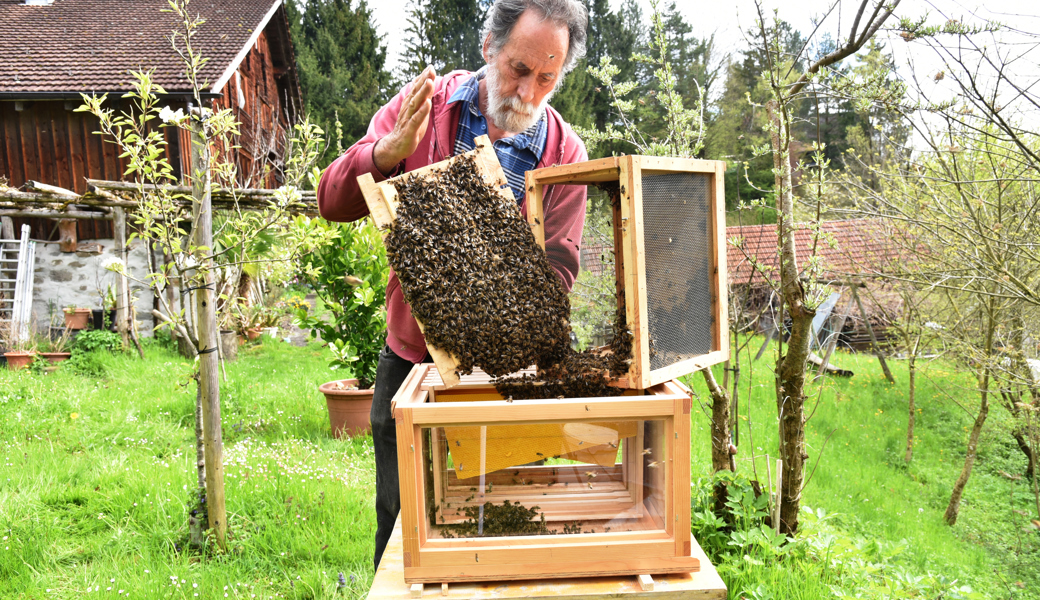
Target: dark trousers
[[390, 374]]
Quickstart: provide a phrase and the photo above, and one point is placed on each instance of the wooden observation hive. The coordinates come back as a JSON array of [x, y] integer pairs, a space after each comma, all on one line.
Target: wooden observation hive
[[497, 489], [669, 256], [493, 489]]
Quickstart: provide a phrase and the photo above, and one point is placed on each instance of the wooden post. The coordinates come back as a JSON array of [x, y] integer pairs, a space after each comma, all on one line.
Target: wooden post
[[122, 297], [68, 240], [205, 308], [6, 228], [835, 322], [779, 486], [769, 337], [873, 339]]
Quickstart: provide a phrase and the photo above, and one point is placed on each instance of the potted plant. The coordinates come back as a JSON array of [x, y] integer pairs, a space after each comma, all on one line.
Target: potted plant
[[105, 317], [245, 321], [267, 320], [76, 318], [19, 350], [348, 273], [55, 350], [250, 323]]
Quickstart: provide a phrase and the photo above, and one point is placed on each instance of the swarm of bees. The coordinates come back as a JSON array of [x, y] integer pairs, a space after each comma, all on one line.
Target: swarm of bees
[[474, 275], [499, 520], [578, 374]]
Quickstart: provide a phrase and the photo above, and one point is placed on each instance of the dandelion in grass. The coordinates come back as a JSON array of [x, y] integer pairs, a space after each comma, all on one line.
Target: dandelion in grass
[[74, 416]]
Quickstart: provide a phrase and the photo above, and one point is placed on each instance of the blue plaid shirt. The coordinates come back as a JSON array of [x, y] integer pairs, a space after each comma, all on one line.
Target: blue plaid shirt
[[517, 154]]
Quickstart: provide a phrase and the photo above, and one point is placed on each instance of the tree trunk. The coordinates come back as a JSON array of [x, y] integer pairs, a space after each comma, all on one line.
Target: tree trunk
[[720, 456], [734, 410], [205, 310], [1023, 445], [195, 519], [790, 369], [912, 369], [953, 509], [122, 297], [1019, 432]]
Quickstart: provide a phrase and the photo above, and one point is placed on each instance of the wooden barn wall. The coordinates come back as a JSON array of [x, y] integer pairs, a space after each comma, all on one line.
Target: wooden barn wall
[[49, 142], [258, 99]]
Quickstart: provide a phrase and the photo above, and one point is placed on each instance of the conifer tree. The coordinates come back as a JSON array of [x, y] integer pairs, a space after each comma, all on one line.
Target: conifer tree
[[341, 66], [445, 34]]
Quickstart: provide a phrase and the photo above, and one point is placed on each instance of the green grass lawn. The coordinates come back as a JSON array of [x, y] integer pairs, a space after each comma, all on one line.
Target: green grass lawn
[[97, 473], [97, 476], [862, 476]]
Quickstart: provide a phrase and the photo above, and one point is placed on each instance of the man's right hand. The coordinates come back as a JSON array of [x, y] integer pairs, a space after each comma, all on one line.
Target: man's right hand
[[412, 120]]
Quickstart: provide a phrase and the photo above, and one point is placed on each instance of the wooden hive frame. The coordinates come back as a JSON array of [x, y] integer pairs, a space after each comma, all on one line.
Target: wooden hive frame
[[630, 249], [382, 201], [429, 559]]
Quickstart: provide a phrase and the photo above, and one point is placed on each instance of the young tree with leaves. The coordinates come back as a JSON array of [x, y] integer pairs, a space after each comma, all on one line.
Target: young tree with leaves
[[799, 286], [194, 258], [969, 209]]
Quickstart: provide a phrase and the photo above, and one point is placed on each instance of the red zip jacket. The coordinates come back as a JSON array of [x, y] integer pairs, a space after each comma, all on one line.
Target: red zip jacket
[[340, 198]]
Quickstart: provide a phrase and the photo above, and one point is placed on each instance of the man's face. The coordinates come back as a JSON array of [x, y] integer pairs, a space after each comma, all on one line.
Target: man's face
[[522, 77]]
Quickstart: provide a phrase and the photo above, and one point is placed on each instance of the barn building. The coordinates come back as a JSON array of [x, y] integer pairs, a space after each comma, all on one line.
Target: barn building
[[52, 51]]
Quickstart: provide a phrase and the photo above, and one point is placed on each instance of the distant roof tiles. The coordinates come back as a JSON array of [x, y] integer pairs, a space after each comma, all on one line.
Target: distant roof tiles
[[847, 247], [92, 45]]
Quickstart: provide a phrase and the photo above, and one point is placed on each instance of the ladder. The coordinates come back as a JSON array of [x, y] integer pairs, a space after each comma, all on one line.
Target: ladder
[[17, 262]]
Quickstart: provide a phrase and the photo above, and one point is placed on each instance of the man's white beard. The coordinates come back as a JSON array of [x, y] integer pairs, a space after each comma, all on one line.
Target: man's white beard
[[510, 114]]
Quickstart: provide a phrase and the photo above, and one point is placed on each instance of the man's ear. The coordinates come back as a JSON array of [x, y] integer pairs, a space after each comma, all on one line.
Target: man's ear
[[485, 48]]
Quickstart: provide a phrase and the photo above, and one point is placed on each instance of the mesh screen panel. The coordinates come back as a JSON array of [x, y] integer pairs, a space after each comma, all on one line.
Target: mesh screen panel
[[677, 232]]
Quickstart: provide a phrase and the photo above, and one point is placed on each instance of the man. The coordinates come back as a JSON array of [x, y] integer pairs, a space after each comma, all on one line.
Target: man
[[529, 46]]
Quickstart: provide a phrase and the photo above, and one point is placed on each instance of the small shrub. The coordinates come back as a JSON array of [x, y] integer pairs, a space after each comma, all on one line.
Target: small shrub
[[349, 274], [88, 364], [823, 557], [98, 339], [39, 364]]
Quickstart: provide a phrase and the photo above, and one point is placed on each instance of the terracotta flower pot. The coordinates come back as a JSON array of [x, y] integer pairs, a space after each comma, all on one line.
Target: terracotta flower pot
[[349, 407], [253, 334], [18, 360], [56, 357], [77, 318]]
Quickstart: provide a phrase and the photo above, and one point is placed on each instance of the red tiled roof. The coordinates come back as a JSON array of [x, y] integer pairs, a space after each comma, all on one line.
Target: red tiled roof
[[91, 45], [847, 247]]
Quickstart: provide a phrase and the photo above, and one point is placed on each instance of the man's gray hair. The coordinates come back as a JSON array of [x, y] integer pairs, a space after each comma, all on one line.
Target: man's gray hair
[[504, 14]]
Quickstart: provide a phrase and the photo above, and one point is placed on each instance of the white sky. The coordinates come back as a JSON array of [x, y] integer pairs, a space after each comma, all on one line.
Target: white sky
[[726, 19]]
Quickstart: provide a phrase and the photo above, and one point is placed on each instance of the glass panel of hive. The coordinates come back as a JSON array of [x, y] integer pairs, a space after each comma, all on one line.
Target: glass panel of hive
[[535, 479]]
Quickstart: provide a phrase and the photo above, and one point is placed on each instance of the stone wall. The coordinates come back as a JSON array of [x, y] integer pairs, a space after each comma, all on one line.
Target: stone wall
[[80, 279]]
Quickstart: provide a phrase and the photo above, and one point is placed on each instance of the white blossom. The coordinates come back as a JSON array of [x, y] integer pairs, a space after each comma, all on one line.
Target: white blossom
[[168, 115], [113, 264]]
